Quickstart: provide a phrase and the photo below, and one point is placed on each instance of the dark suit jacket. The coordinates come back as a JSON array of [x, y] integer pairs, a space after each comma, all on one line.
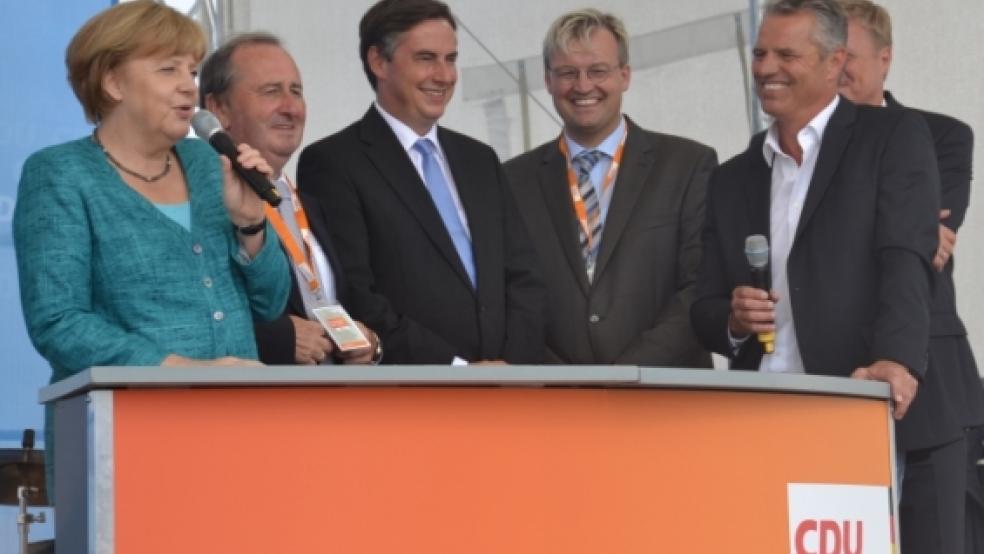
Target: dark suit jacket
[[860, 265], [275, 340], [636, 310], [952, 396], [405, 278]]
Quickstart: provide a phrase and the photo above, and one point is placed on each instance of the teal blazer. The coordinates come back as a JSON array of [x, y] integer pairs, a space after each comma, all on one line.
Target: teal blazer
[[107, 279]]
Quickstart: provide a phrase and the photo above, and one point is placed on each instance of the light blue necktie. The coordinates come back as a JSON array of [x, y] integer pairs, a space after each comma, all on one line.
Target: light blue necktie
[[440, 193]]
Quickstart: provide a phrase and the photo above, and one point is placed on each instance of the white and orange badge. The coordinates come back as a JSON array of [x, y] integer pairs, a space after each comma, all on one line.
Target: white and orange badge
[[341, 328]]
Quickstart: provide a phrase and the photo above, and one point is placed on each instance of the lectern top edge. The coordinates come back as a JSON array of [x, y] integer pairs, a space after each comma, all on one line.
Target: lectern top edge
[[431, 375]]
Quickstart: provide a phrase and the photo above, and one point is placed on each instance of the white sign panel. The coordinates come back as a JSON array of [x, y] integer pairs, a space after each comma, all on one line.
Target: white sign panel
[[839, 519]]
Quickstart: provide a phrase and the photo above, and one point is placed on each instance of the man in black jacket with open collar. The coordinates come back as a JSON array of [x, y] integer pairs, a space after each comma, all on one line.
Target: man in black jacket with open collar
[[849, 197]]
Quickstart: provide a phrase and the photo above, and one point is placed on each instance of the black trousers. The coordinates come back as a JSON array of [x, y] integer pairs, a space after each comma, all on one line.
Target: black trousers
[[975, 491], [932, 510]]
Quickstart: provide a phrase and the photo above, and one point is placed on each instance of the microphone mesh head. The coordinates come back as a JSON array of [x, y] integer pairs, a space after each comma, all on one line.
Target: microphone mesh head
[[757, 250], [205, 124]]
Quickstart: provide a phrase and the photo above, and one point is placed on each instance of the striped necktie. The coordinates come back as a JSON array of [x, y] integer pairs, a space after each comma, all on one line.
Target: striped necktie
[[583, 163]]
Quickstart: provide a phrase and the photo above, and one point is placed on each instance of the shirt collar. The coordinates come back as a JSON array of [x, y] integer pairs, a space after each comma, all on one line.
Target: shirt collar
[[283, 186], [607, 146], [813, 132], [407, 136]]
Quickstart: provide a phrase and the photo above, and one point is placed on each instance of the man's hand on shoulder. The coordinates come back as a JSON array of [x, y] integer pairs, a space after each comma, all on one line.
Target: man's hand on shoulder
[[904, 386]]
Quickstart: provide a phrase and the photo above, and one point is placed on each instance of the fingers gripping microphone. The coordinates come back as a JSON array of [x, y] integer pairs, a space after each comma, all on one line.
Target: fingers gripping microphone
[[208, 128], [757, 253]]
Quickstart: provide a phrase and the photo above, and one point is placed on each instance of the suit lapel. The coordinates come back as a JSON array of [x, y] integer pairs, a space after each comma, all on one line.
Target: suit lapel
[[552, 179], [832, 147], [393, 163], [637, 163], [758, 191]]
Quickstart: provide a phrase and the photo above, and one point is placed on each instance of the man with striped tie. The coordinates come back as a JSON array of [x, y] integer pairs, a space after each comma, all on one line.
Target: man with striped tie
[[253, 86], [614, 211]]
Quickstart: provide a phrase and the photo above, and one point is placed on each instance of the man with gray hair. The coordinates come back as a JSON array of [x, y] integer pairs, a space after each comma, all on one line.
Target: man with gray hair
[[254, 88], [848, 196], [614, 211], [943, 451]]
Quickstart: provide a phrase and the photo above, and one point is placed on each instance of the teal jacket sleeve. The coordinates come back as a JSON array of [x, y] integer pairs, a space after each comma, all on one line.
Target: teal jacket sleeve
[[266, 276]]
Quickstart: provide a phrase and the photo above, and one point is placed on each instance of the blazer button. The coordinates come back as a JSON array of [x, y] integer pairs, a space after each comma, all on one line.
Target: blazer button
[[218, 316], [196, 248], [207, 281], [595, 318]]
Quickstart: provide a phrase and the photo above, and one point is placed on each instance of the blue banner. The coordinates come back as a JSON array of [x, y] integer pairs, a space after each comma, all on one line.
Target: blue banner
[[37, 109]]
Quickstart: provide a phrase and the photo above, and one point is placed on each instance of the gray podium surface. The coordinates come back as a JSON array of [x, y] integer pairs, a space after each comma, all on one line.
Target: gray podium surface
[[97, 378]]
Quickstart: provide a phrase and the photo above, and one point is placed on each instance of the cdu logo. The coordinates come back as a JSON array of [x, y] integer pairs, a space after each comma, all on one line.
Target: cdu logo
[[831, 537], [839, 519]]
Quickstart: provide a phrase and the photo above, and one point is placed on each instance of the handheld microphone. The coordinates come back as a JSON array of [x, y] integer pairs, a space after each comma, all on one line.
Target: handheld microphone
[[208, 128], [757, 254]]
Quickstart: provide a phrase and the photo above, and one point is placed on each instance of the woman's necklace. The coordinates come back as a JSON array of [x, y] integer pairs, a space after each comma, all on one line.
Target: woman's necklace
[[127, 170]]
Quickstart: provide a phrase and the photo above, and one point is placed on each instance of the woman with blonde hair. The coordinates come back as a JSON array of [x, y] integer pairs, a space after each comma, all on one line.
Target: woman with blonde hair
[[135, 245]]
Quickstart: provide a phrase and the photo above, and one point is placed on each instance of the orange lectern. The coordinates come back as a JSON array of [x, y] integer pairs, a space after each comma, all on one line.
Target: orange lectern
[[426, 459]]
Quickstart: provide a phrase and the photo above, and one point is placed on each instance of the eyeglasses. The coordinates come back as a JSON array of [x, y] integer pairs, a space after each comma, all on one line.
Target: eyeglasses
[[569, 75]]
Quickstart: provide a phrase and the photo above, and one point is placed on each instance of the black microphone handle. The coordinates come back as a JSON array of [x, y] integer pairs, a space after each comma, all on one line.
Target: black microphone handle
[[760, 280], [760, 277], [256, 180]]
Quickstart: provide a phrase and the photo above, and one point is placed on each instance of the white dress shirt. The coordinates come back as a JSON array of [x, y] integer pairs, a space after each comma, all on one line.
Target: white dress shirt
[[790, 183]]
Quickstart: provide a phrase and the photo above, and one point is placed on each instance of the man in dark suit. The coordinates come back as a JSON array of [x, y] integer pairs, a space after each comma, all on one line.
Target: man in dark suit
[[848, 196], [434, 251], [626, 299], [949, 411], [253, 87]]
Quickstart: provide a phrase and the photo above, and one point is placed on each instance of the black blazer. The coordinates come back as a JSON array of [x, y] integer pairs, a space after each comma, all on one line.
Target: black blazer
[[952, 396], [637, 309], [953, 143], [860, 265], [275, 339], [404, 275]]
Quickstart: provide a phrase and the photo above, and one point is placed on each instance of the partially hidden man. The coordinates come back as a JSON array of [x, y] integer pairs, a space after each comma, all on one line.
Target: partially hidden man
[[614, 211], [436, 256], [942, 498]]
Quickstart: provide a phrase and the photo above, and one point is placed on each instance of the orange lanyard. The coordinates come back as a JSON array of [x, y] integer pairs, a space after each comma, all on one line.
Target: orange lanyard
[[301, 258], [580, 210]]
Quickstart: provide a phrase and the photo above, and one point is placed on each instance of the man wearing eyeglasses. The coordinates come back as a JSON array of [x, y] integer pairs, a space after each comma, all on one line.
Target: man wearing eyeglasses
[[614, 211]]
